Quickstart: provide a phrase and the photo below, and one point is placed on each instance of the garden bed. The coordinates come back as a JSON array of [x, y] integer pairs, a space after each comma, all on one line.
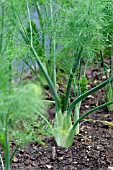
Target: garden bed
[[92, 148], [70, 43]]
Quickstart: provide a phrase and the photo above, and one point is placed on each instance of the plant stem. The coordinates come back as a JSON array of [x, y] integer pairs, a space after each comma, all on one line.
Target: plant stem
[[30, 25], [7, 156], [110, 74], [75, 64], [2, 28], [54, 64], [48, 79], [10, 74], [103, 64], [76, 117], [53, 47], [79, 74]]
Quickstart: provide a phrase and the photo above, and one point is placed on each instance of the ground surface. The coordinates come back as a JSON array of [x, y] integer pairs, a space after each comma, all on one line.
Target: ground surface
[[92, 148]]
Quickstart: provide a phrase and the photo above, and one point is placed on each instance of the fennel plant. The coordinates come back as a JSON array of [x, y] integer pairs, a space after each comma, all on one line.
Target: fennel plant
[[83, 35]]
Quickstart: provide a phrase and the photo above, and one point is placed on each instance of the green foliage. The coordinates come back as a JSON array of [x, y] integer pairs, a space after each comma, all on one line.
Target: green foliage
[[34, 130], [36, 39], [83, 25], [21, 102], [20, 106], [108, 19], [69, 26], [18, 103], [74, 30]]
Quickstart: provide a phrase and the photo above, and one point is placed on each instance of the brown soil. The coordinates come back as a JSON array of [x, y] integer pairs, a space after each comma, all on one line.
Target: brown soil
[[92, 148]]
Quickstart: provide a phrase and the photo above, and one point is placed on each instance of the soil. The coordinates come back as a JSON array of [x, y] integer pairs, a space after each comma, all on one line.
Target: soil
[[92, 148]]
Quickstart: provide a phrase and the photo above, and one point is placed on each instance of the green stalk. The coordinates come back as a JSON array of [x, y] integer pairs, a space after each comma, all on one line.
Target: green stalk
[[76, 117], [53, 48], [31, 31], [7, 156], [2, 28], [75, 64], [10, 74], [75, 85], [49, 61], [103, 64], [54, 64], [90, 111], [110, 74], [48, 79], [39, 15], [77, 107], [79, 74], [83, 96]]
